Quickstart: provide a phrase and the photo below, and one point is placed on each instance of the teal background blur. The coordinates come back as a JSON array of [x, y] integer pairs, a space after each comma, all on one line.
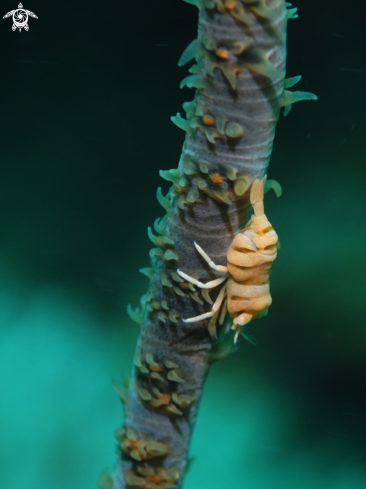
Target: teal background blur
[[86, 99]]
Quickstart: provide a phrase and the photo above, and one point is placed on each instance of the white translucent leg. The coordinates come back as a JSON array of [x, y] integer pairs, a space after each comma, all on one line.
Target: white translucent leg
[[206, 295], [219, 268], [223, 312], [236, 336], [198, 318], [212, 325], [209, 285], [215, 308]]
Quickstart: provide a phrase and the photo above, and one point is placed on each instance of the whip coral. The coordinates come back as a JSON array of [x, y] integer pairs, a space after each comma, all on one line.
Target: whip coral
[[239, 76]]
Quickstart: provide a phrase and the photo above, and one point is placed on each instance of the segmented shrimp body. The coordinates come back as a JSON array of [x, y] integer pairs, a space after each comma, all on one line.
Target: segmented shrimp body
[[245, 293]]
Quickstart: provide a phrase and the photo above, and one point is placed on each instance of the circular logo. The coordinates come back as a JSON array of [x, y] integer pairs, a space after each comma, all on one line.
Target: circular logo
[[20, 17]]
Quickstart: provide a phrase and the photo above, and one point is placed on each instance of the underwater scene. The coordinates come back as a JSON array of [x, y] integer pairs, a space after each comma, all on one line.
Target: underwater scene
[[88, 92]]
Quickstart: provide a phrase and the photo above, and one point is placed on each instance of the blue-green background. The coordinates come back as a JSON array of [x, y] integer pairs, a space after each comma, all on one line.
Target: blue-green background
[[86, 97]]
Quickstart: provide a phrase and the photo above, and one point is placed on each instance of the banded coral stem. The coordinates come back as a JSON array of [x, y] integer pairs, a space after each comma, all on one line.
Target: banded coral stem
[[239, 76]]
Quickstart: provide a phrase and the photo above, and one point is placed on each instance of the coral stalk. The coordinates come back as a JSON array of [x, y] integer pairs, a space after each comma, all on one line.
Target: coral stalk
[[239, 78]]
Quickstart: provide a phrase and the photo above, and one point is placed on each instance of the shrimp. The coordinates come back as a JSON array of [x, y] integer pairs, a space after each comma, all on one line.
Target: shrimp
[[245, 293]]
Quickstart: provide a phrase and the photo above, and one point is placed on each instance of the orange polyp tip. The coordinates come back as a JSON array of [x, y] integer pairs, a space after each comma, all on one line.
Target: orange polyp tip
[[184, 285], [223, 53], [209, 120], [216, 178], [134, 443], [164, 397], [153, 478], [155, 368], [230, 4]]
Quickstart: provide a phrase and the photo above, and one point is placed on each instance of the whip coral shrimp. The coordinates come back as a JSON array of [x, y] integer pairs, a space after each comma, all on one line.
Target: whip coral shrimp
[[245, 293]]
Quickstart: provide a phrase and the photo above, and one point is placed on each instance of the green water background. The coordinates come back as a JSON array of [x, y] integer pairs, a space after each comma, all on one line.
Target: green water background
[[87, 96]]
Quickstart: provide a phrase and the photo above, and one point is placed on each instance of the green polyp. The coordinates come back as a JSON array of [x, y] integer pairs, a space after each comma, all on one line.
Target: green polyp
[[221, 196], [291, 13], [258, 62], [183, 182], [196, 3], [195, 297], [105, 480], [194, 81], [210, 44], [211, 133], [163, 221], [148, 272], [190, 107], [261, 10], [200, 111], [176, 277], [173, 315], [239, 47], [228, 69], [240, 15], [290, 82], [151, 235], [231, 172], [209, 4], [156, 252], [163, 201], [181, 202], [178, 291], [287, 109], [160, 242], [273, 184], [234, 130], [289, 98], [201, 184], [145, 396], [192, 50], [241, 185], [144, 299], [220, 124], [165, 240], [159, 224], [189, 168], [170, 255], [135, 314], [204, 166], [195, 123], [169, 175], [165, 281], [181, 123], [155, 305], [192, 196], [194, 69]]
